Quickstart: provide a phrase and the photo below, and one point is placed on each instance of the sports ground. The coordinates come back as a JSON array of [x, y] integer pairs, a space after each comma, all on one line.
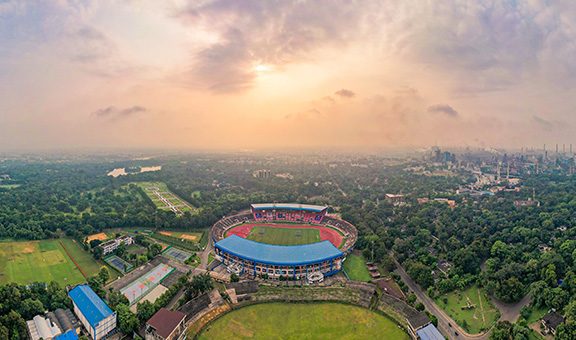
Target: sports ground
[[60, 260], [164, 199], [303, 321], [286, 233], [470, 308], [145, 283]]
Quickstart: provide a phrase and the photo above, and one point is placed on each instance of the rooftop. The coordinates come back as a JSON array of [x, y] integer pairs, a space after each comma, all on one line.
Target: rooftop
[[429, 333], [90, 304], [553, 319], [288, 206], [278, 255], [165, 321]]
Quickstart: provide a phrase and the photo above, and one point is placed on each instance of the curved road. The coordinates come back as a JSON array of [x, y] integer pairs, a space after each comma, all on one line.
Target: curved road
[[447, 326]]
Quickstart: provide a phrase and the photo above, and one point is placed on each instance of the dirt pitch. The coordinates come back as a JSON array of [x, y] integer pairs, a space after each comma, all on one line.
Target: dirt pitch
[[99, 236]]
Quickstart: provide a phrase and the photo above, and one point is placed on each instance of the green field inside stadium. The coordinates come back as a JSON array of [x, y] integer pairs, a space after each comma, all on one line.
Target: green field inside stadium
[[302, 321], [355, 267], [46, 260], [284, 236]]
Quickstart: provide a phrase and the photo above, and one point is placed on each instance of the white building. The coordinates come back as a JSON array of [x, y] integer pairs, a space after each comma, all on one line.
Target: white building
[[110, 246], [42, 328]]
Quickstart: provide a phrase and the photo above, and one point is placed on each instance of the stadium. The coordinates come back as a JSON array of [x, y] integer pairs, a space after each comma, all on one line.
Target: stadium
[[283, 241]]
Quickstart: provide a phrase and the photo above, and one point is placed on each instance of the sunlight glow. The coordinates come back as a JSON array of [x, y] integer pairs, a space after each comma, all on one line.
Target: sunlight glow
[[262, 68]]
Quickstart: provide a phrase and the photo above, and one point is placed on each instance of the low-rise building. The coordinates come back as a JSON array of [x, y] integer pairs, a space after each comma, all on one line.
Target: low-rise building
[[98, 319], [165, 325], [429, 332], [551, 321], [41, 327], [110, 246]]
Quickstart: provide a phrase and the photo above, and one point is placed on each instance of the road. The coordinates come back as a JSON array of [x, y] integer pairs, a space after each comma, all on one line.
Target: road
[[206, 252], [201, 269], [446, 325], [511, 311]]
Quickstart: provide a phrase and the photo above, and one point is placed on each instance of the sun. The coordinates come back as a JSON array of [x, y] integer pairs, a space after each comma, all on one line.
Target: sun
[[262, 68]]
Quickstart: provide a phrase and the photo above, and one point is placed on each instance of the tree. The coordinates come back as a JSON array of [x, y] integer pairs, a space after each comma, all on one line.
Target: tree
[[127, 321], [145, 310], [95, 243], [155, 249], [98, 252], [104, 275], [31, 307], [116, 298], [198, 285]]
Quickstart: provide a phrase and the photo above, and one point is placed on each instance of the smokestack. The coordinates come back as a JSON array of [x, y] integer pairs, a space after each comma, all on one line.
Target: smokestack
[[563, 148], [556, 148]]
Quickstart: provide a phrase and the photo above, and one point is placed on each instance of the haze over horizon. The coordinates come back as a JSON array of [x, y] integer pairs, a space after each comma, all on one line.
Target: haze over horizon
[[227, 74]]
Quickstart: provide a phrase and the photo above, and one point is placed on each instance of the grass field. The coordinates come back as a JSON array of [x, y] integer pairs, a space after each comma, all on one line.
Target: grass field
[[536, 314], [194, 237], [303, 321], [355, 267], [9, 186], [164, 199], [30, 261], [284, 236], [474, 320]]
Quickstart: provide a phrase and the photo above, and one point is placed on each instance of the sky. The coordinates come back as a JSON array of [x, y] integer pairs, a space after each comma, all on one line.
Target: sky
[[230, 74]]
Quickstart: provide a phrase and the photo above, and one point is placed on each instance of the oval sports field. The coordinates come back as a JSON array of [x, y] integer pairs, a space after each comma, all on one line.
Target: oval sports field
[[287, 233]]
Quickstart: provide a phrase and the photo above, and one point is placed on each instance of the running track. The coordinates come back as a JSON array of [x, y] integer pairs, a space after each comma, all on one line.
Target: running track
[[326, 233]]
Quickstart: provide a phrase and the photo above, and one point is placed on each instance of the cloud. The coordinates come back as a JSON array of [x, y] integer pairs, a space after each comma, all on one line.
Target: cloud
[[275, 32], [91, 46], [444, 109], [344, 93], [114, 112]]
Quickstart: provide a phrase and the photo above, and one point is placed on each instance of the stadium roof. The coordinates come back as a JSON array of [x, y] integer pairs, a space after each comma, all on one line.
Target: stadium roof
[[288, 206], [90, 304], [279, 255], [429, 333]]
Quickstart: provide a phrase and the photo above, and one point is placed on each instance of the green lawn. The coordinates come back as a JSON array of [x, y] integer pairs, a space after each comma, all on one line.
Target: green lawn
[[284, 236], [474, 320], [536, 314], [85, 260], [30, 261], [355, 267], [150, 188], [210, 258], [302, 321]]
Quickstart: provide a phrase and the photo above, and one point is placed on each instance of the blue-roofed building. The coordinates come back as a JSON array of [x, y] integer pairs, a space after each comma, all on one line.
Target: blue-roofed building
[[69, 335], [92, 311], [429, 332], [243, 256]]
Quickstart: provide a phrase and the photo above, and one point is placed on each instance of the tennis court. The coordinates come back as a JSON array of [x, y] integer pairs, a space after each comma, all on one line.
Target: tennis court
[[176, 254], [118, 263], [142, 285]]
